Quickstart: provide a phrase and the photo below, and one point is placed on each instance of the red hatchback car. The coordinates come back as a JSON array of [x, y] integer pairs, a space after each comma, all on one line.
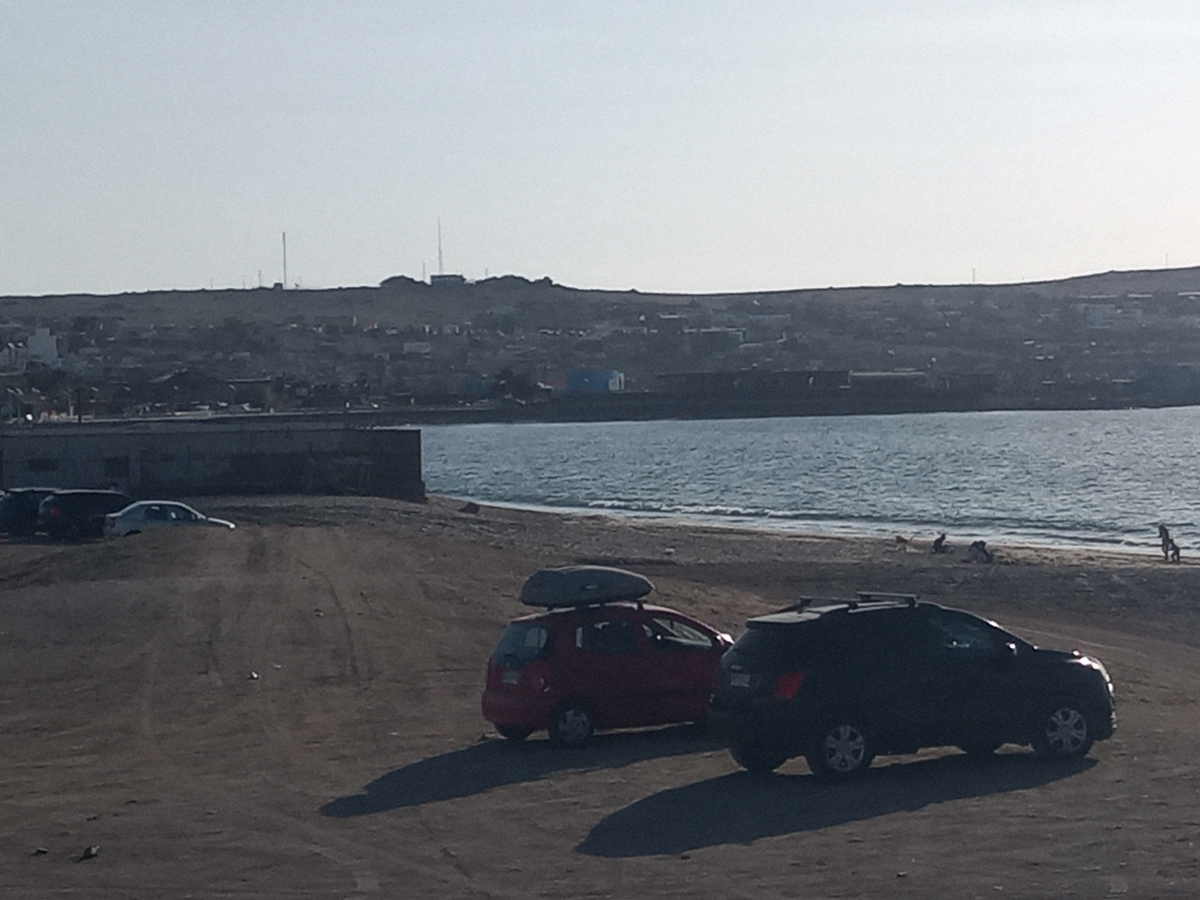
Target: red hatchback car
[[598, 658]]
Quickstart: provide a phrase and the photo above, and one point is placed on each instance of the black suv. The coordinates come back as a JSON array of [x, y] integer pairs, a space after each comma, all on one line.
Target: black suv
[[19, 509], [76, 514], [839, 683]]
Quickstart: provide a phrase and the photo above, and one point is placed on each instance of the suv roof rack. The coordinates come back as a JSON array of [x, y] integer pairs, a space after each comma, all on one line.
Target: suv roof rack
[[805, 602], [863, 597], [886, 597]]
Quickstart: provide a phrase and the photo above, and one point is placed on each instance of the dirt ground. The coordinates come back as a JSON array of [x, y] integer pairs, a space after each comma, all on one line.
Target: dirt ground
[[291, 709]]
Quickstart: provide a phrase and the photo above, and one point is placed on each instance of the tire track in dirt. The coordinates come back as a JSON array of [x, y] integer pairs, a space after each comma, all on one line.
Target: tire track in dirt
[[348, 632], [308, 835]]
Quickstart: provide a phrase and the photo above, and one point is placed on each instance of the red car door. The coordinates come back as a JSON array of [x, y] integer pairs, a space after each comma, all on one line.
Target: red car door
[[608, 669], [682, 668]]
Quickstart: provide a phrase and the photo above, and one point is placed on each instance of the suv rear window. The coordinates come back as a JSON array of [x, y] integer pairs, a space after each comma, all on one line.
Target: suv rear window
[[776, 646], [520, 643]]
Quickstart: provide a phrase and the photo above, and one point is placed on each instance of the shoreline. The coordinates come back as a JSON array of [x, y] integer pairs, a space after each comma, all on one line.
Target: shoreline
[[726, 575], [776, 528]]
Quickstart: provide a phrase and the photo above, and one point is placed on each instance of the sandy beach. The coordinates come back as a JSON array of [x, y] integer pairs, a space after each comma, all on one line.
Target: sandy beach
[[291, 709]]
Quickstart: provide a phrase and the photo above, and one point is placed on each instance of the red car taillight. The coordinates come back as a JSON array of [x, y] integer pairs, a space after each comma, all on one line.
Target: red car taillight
[[788, 684]]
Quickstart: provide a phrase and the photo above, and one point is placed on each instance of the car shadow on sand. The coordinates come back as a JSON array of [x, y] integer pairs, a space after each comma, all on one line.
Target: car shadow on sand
[[741, 807], [493, 763]]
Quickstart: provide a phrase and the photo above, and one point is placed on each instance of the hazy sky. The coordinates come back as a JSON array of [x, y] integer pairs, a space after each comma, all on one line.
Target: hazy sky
[[683, 146]]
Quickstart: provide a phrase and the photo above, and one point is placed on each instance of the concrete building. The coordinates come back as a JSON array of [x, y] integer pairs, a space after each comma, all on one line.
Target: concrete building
[[42, 346], [219, 455]]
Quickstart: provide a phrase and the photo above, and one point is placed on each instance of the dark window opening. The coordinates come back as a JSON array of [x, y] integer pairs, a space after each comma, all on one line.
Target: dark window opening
[[618, 636], [116, 467]]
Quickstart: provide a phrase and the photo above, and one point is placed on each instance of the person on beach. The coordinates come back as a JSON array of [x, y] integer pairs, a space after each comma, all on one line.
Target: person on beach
[[979, 553], [1164, 537], [1173, 549], [939, 543]]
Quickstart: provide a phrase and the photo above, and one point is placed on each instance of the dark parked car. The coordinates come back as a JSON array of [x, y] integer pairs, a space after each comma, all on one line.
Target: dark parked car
[[77, 514], [843, 682], [598, 658], [19, 509]]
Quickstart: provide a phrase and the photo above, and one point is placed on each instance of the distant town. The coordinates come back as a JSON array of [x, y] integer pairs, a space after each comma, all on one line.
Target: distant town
[[508, 348]]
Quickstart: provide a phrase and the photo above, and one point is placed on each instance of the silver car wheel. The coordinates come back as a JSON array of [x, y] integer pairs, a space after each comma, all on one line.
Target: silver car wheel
[[844, 748], [572, 726], [1066, 731]]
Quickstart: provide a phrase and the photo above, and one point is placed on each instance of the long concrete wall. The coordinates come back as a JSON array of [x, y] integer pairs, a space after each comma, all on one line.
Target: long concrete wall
[[235, 455]]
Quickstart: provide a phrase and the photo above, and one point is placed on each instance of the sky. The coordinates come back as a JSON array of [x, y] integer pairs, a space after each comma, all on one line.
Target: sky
[[665, 146]]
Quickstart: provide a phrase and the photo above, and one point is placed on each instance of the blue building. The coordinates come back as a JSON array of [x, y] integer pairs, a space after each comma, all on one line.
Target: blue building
[[594, 381]]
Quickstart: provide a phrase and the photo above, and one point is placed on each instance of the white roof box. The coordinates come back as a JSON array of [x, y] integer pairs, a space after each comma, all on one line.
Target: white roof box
[[583, 586]]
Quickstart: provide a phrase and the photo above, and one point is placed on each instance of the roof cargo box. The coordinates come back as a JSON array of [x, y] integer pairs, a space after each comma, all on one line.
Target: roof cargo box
[[583, 586]]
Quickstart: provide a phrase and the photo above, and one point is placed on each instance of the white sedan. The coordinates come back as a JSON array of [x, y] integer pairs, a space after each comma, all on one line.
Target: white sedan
[[147, 514]]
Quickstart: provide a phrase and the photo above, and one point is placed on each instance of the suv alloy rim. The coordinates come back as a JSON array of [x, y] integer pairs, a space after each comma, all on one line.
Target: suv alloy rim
[[1066, 731], [844, 748]]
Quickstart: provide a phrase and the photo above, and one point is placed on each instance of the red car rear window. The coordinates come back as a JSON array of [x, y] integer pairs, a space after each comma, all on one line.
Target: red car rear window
[[520, 643]]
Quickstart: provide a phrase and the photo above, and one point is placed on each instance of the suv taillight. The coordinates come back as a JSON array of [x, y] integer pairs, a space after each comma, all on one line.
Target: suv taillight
[[788, 684]]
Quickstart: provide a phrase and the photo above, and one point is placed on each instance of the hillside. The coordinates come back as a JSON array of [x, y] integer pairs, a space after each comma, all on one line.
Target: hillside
[[1108, 340], [402, 301]]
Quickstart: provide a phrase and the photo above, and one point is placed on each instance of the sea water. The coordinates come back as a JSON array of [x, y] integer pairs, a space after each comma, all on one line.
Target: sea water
[[1081, 478]]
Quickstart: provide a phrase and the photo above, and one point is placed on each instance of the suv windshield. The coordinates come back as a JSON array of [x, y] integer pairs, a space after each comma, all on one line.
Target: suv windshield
[[521, 642]]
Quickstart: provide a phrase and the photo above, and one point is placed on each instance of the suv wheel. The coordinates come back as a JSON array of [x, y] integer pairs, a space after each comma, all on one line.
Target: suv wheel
[[757, 758], [571, 726], [841, 750], [1064, 731]]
